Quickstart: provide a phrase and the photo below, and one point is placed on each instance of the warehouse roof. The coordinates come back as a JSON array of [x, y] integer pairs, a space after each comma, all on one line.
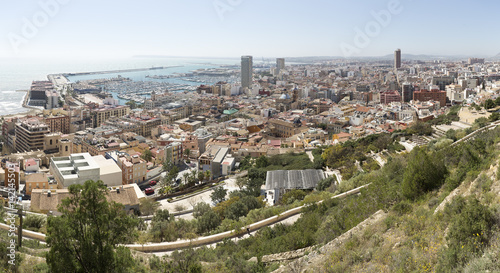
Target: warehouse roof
[[294, 179]]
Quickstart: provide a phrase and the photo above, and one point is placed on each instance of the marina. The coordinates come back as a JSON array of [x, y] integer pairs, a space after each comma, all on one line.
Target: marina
[[130, 86]]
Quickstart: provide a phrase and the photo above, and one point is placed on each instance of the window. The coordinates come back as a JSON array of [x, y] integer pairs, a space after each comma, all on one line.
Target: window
[[51, 142], [66, 148]]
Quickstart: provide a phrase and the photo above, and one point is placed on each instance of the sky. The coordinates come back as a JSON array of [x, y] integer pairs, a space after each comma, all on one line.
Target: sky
[[231, 28]]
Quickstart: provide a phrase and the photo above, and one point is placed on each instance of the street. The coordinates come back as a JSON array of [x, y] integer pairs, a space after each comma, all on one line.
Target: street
[[188, 203]]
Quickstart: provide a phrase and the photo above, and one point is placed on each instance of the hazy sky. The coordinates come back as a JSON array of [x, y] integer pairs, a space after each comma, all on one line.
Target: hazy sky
[[231, 28]]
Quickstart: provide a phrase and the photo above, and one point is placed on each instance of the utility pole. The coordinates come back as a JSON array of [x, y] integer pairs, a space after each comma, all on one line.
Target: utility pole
[[20, 228]]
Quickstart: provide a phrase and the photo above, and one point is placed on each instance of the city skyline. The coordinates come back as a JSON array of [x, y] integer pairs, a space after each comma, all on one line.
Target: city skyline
[[223, 28]]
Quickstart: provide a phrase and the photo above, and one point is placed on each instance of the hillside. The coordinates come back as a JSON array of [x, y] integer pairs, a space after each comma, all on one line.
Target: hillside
[[451, 228]]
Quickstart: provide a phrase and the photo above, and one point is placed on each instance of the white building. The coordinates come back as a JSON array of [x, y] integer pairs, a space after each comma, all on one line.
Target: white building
[[52, 99], [454, 92], [235, 89], [110, 101], [469, 83], [74, 169], [110, 172], [31, 165], [228, 165]]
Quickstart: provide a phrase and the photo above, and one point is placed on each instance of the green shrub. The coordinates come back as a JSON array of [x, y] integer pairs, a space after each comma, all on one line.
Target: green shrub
[[423, 173], [325, 183], [292, 196], [34, 222], [468, 234], [403, 207]]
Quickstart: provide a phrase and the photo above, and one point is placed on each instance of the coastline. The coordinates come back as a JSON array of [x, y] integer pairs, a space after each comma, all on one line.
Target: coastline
[[29, 110], [60, 79]]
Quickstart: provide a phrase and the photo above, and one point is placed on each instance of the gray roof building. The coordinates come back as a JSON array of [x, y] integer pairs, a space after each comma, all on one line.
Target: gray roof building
[[293, 179]]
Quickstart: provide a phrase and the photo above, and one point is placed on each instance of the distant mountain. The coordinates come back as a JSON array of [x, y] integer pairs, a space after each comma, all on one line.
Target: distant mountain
[[427, 57], [317, 59], [422, 57], [496, 57], [312, 59]]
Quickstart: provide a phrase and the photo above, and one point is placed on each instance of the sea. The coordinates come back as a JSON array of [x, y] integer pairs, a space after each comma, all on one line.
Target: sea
[[16, 75]]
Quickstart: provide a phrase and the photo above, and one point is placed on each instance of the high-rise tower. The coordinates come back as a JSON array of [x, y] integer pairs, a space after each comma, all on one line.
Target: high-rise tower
[[280, 65], [397, 58], [246, 71]]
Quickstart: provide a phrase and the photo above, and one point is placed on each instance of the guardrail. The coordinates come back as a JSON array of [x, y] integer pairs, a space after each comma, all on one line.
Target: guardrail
[[471, 135], [200, 241], [177, 213], [26, 233], [206, 240]]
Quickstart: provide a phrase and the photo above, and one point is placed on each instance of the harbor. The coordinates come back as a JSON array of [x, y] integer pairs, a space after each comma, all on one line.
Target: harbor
[[130, 85]]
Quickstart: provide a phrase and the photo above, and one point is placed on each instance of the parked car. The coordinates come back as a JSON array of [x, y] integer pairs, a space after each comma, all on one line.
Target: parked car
[[149, 191], [153, 182]]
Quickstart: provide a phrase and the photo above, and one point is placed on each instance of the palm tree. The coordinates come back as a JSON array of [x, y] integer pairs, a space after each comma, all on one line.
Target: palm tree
[[147, 155], [166, 189], [201, 176], [187, 152], [193, 176], [208, 174]]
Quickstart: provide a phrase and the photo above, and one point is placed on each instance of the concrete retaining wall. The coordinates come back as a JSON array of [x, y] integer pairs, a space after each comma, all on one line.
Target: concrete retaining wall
[[27, 233], [154, 172]]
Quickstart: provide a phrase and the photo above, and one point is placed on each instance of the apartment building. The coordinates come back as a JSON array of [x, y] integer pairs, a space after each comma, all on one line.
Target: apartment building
[[30, 135], [133, 168], [100, 115], [433, 94], [281, 128], [58, 120]]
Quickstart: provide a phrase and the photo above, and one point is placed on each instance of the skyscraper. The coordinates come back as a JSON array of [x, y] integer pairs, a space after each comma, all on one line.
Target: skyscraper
[[407, 92], [246, 71], [397, 58], [280, 65]]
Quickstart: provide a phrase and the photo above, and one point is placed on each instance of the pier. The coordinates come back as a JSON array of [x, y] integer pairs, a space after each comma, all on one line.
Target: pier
[[119, 71]]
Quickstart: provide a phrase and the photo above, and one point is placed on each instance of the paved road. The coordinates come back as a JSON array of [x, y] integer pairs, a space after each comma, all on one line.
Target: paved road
[[310, 154], [188, 203], [160, 177]]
